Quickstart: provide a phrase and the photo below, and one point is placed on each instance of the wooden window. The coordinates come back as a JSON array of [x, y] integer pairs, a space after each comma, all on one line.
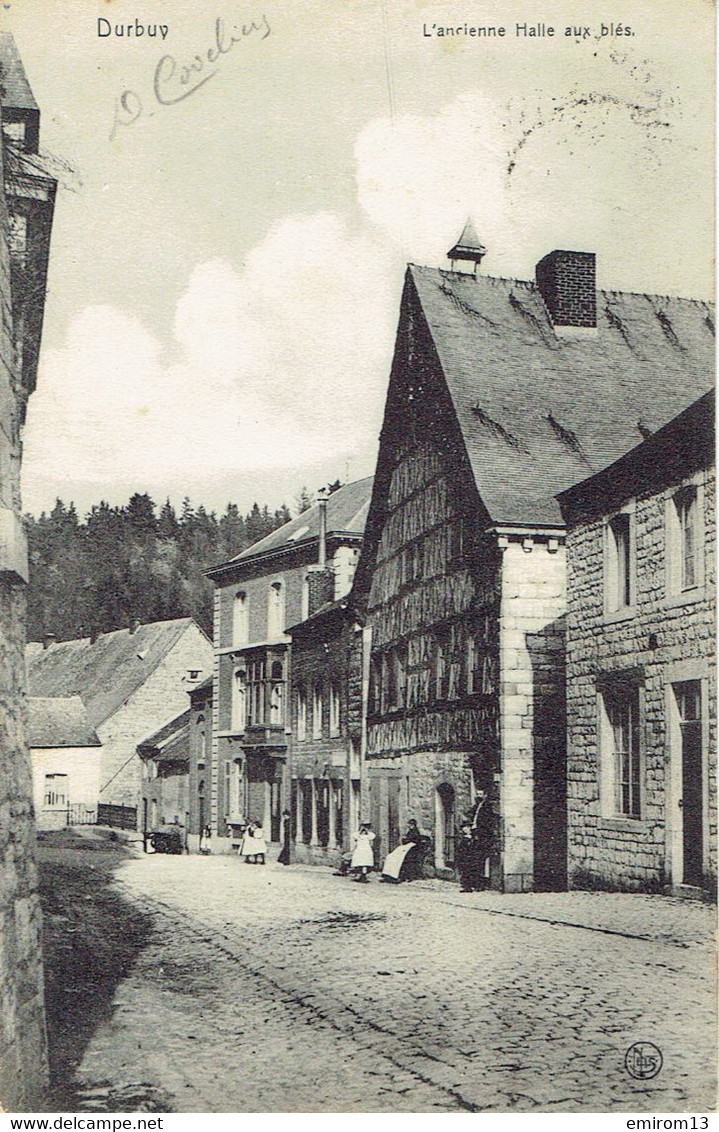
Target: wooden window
[[239, 700], [687, 509], [620, 748], [338, 804], [307, 788], [440, 669], [334, 710], [276, 610], [256, 671], [375, 686], [227, 779], [301, 715], [317, 712], [277, 695], [56, 792], [399, 678], [474, 666], [240, 619], [619, 562], [322, 795]]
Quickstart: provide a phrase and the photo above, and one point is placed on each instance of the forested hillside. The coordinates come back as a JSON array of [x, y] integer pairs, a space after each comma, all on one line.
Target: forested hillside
[[96, 574]]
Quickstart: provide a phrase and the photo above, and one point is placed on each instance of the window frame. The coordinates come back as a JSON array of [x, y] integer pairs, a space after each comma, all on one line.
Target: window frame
[[677, 590], [618, 605], [622, 794], [317, 711]]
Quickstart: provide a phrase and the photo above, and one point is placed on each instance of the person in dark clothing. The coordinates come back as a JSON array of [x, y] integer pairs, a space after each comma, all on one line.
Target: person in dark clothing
[[284, 857], [467, 859]]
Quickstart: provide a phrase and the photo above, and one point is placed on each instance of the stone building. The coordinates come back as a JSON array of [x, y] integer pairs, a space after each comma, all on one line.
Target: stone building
[[326, 732], [132, 681], [502, 393], [259, 593], [165, 763], [641, 668], [65, 754], [27, 198]]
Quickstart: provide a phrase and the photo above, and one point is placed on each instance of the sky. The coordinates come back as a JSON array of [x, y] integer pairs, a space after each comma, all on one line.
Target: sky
[[232, 227]]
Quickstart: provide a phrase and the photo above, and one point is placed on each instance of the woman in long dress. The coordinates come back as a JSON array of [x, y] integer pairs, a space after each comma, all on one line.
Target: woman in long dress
[[363, 855]]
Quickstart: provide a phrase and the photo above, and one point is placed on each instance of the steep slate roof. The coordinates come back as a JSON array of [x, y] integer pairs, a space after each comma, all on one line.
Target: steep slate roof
[[171, 743], [16, 89], [105, 673], [346, 514], [539, 412], [60, 721], [675, 451]]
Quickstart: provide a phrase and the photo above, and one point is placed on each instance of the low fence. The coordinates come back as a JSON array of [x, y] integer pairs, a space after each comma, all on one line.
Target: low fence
[[120, 817], [81, 814]]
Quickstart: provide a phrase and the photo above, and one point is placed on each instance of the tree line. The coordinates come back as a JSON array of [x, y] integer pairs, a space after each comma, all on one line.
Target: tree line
[[94, 575]]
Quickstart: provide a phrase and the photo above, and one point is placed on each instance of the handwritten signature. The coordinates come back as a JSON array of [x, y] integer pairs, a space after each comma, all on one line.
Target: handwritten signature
[[173, 81]]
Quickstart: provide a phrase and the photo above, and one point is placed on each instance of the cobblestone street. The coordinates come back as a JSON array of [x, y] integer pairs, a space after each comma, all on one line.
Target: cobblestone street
[[293, 990]]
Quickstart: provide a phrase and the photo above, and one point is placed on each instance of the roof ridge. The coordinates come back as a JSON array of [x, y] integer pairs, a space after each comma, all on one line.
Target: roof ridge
[[532, 283]]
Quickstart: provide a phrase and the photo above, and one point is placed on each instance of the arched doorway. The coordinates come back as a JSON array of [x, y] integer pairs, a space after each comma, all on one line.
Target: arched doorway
[[444, 826]]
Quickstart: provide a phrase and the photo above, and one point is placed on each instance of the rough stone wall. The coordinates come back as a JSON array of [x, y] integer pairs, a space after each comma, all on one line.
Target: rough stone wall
[[413, 780], [156, 702], [23, 1048], [23, 1052], [532, 715], [666, 637]]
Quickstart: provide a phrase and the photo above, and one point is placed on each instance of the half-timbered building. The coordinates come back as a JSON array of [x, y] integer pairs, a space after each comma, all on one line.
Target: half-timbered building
[[502, 393]]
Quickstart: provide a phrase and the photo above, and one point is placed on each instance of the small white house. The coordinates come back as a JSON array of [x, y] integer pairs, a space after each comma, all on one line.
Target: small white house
[[65, 753]]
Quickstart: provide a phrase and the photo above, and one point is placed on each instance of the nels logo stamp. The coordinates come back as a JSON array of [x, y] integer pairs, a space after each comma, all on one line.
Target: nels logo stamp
[[643, 1060]]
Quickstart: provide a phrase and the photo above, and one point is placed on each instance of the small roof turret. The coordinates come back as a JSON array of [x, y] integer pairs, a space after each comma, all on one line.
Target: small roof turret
[[468, 248]]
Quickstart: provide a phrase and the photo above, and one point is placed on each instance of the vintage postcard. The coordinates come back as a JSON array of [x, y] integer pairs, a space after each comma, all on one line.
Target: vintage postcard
[[358, 512]]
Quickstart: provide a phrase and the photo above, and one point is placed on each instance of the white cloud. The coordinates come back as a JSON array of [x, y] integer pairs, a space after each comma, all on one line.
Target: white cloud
[[279, 364], [612, 167]]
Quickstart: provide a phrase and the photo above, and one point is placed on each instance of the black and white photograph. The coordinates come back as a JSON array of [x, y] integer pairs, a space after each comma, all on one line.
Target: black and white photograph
[[357, 559]]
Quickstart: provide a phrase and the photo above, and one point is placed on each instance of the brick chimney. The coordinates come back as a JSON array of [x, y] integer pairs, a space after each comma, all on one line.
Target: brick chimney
[[567, 282], [48, 640]]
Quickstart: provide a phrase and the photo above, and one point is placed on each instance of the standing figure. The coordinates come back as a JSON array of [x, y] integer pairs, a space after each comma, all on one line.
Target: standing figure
[[259, 844], [363, 855], [247, 845], [284, 857], [467, 859]]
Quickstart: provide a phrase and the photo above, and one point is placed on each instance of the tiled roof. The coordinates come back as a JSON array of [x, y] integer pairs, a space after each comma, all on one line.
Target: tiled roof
[[346, 513], [539, 412], [16, 88], [105, 672], [171, 742], [60, 721]]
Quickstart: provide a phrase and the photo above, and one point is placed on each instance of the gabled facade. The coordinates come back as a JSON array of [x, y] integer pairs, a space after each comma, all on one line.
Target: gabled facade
[[27, 196], [165, 760], [327, 702], [268, 587], [132, 681], [65, 753], [501, 394], [641, 663]]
